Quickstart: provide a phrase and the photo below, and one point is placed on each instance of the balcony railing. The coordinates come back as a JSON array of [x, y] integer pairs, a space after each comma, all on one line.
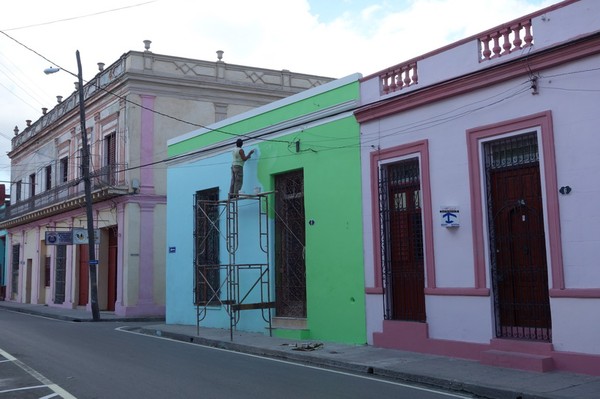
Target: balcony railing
[[108, 181], [520, 37], [505, 40]]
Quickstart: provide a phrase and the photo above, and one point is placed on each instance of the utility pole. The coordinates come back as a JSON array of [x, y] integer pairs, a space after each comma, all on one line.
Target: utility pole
[[85, 166]]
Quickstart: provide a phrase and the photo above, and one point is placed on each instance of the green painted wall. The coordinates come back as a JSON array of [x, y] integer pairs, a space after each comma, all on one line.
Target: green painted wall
[[281, 114], [330, 158]]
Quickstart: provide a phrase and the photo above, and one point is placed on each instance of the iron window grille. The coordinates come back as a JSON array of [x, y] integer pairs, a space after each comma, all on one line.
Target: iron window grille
[[206, 248]]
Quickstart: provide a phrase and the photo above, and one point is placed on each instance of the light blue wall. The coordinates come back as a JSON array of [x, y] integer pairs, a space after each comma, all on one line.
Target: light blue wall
[[183, 182]]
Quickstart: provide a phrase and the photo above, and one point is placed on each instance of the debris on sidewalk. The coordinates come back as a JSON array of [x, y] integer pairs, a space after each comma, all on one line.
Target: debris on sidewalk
[[307, 347]]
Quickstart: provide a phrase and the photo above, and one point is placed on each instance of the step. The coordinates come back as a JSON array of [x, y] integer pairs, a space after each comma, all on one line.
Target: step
[[518, 360]]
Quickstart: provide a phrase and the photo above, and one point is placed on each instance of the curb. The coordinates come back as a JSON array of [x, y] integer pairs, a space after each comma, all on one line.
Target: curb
[[82, 319], [482, 392]]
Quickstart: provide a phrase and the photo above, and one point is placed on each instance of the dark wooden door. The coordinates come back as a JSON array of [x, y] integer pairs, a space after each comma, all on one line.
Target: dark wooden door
[[519, 268], [112, 269], [407, 268], [84, 275]]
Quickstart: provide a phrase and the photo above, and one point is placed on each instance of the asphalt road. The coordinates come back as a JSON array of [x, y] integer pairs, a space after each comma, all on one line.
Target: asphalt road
[[47, 358]]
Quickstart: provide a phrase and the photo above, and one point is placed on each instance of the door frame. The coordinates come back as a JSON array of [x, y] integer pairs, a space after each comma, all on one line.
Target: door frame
[[287, 303], [542, 124], [518, 262], [403, 263]]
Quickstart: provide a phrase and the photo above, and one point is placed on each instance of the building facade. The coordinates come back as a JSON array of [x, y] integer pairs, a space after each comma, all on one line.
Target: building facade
[[132, 108], [480, 195], [286, 255]]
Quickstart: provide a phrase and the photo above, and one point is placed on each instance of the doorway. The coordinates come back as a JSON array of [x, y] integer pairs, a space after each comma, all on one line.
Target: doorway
[[401, 216], [112, 269], [84, 274], [290, 267], [517, 239]]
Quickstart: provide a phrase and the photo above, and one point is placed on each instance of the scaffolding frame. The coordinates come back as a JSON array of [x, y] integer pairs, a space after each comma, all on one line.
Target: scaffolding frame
[[230, 274]]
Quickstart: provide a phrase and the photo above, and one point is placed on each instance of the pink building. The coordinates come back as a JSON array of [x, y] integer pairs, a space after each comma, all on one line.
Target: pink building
[[480, 190], [132, 107]]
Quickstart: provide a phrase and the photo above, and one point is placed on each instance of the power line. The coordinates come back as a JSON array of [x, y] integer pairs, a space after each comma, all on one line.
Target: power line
[[429, 122], [79, 17]]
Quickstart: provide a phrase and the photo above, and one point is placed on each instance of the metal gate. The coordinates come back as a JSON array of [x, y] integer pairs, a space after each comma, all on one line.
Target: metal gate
[[16, 253], [517, 239], [402, 233], [60, 274], [290, 268]]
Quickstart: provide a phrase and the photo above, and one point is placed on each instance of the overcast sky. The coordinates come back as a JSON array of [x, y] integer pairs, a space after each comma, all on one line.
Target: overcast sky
[[332, 38]]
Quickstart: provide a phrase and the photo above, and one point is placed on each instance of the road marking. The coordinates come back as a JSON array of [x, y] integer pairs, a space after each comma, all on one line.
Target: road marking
[[452, 395], [23, 388], [39, 316], [47, 383]]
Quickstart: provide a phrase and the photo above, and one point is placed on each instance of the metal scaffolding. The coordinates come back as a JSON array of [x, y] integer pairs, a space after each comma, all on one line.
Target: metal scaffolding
[[221, 285]]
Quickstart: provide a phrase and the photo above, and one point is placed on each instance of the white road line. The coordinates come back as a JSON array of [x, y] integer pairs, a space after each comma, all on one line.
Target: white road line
[[452, 395], [23, 388], [47, 383], [39, 316]]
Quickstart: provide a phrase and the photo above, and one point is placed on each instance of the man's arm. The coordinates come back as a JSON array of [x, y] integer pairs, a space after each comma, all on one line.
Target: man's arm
[[244, 156]]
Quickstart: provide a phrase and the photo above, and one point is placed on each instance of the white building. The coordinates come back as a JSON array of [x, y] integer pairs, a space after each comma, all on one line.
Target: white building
[[480, 189]]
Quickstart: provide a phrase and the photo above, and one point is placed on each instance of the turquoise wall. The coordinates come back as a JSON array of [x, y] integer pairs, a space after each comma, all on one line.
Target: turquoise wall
[[182, 183], [329, 156]]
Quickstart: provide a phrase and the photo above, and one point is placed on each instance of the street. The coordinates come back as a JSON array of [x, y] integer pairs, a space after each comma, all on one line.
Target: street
[[103, 360]]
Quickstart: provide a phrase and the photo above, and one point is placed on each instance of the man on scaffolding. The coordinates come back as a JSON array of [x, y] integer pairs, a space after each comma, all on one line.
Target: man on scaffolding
[[237, 168]]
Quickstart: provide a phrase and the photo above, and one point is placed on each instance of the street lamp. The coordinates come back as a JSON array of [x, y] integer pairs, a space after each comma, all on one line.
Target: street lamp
[[85, 166]]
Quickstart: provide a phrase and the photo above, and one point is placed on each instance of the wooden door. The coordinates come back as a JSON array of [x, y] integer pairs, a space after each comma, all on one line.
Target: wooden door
[[112, 269], [406, 274], [519, 268], [84, 275]]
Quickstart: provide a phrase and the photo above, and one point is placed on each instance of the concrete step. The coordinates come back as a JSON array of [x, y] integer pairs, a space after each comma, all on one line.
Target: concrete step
[[518, 360]]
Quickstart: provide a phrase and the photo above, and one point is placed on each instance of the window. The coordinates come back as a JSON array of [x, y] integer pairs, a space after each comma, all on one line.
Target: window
[[32, 185], [16, 252], [64, 169], [110, 153], [48, 173], [18, 188], [110, 157], [206, 247]]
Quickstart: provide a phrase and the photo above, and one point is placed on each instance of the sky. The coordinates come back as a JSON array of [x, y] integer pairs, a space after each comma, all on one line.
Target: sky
[[332, 38]]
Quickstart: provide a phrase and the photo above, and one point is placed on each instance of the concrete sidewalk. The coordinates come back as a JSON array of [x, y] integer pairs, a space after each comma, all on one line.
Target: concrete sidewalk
[[461, 376]]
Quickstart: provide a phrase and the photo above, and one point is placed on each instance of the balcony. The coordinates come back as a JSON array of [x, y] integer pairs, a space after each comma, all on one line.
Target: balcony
[[107, 182]]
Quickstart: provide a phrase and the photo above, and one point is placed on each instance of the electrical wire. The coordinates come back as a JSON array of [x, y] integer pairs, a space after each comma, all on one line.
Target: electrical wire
[[80, 16], [411, 127]]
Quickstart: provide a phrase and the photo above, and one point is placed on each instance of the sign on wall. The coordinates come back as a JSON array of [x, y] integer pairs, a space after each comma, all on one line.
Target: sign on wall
[[75, 236], [59, 237], [450, 216]]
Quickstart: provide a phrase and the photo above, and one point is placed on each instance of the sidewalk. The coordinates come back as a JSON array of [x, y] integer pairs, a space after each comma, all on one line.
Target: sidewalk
[[461, 376]]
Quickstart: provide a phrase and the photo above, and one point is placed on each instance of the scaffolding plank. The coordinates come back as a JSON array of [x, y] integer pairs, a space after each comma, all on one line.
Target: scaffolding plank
[[252, 306]]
